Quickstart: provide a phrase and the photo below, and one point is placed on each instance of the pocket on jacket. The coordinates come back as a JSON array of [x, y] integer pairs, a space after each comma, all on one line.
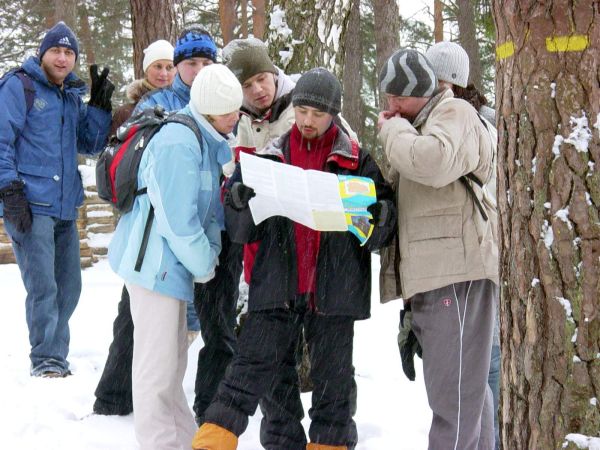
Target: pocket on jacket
[[435, 245], [41, 184]]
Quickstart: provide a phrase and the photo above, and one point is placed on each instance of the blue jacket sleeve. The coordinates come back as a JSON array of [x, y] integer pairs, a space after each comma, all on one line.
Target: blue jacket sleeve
[[146, 102], [12, 121], [174, 185], [93, 128]]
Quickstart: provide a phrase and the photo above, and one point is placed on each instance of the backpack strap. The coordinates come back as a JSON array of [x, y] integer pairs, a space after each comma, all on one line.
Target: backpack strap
[[28, 88], [190, 122], [145, 238], [465, 181]]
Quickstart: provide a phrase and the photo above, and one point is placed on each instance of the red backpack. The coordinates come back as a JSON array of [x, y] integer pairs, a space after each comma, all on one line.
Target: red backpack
[[118, 164]]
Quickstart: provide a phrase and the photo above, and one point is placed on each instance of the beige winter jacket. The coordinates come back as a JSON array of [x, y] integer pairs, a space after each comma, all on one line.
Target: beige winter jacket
[[442, 236]]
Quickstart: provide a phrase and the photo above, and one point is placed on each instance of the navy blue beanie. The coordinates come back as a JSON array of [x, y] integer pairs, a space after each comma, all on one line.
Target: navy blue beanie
[[194, 42], [60, 35]]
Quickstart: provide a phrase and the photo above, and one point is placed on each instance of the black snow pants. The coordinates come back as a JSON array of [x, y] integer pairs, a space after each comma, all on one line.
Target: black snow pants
[[215, 304], [265, 367]]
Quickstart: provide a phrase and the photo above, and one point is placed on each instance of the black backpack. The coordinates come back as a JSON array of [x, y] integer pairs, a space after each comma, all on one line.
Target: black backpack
[[28, 87], [118, 164]]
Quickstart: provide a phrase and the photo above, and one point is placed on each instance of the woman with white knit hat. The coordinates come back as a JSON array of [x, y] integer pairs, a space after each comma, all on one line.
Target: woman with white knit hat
[[159, 72], [182, 178]]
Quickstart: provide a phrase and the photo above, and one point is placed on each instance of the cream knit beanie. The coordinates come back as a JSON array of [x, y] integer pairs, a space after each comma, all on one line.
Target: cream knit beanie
[[160, 49], [450, 62], [216, 91]]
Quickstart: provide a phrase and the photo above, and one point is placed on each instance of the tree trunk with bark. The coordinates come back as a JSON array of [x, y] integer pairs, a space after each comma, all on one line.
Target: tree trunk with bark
[[259, 18], [228, 17], [468, 39], [438, 21], [308, 34], [352, 106], [244, 17], [66, 10], [548, 101], [151, 20], [387, 31], [86, 34]]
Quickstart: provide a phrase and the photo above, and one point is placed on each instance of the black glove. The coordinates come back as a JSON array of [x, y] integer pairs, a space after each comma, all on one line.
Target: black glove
[[16, 206], [381, 213], [102, 89], [238, 196], [408, 344]]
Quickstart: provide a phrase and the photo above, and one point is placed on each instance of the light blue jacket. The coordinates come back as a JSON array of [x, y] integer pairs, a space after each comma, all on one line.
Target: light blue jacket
[[183, 187], [40, 147], [172, 98]]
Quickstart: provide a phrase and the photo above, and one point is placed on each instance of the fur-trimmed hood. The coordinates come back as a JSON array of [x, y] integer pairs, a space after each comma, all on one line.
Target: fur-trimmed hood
[[137, 89]]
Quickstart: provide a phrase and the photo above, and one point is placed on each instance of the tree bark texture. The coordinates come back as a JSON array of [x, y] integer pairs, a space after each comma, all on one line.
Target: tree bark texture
[[548, 102], [468, 39], [387, 31], [352, 106], [151, 20], [438, 21], [259, 18], [66, 10], [86, 34], [228, 17], [312, 35], [244, 18]]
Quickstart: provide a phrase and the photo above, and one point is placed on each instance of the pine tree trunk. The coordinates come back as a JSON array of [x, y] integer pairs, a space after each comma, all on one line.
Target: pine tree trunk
[[66, 10], [227, 15], [86, 34], [259, 18], [244, 14], [468, 39], [438, 21], [352, 107], [548, 99], [312, 35], [151, 20], [387, 31]]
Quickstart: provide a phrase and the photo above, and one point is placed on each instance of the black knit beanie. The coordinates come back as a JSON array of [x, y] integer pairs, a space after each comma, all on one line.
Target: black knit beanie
[[320, 89]]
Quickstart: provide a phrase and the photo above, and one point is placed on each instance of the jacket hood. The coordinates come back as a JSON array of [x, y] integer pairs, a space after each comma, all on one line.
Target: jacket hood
[[212, 137], [72, 82]]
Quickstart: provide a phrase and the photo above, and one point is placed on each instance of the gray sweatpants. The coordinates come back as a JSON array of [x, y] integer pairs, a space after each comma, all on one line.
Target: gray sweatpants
[[454, 325]]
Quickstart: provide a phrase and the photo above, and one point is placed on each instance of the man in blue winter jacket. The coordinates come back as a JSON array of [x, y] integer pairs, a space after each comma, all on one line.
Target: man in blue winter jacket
[[44, 123]]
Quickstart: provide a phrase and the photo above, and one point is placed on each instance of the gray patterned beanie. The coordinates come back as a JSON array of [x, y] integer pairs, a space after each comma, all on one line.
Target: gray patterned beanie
[[407, 73], [320, 89]]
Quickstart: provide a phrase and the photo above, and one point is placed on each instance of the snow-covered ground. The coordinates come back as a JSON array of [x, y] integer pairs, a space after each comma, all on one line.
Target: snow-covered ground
[[57, 413]]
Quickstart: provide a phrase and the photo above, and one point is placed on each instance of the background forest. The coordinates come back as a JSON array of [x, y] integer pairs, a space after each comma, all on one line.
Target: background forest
[[352, 40]]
